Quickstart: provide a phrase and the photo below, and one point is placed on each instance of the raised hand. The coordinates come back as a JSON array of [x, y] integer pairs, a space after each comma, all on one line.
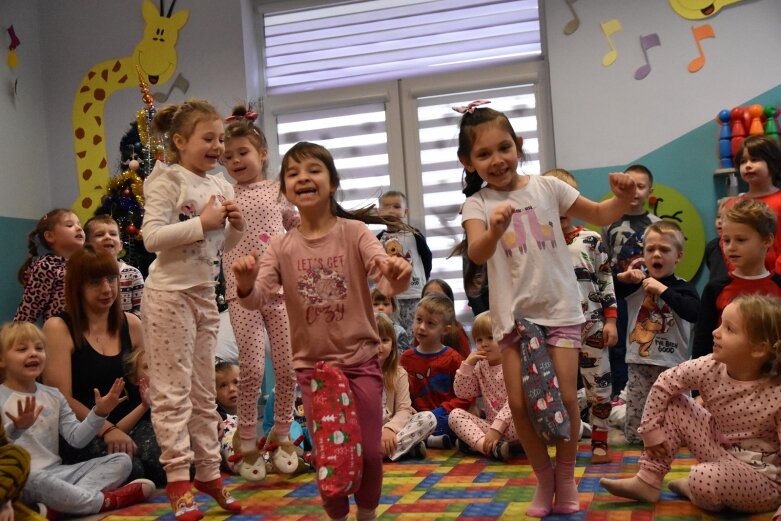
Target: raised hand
[[213, 215], [653, 287], [622, 185], [633, 276], [246, 271], [394, 268], [233, 214], [27, 413], [105, 404], [500, 219]]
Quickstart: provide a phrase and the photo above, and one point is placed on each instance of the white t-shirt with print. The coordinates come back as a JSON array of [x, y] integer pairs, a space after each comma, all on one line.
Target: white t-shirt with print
[[530, 273]]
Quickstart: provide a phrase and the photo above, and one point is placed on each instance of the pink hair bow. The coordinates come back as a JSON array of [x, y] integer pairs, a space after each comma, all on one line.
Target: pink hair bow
[[249, 116], [472, 106]]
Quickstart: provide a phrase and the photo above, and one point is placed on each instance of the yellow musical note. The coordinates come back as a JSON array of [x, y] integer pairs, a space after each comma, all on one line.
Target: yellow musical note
[[609, 28], [573, 24], [700, 32]]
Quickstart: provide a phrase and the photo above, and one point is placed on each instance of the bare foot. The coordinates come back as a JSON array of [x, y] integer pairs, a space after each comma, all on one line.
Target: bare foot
[[632, 488], [680, 487]]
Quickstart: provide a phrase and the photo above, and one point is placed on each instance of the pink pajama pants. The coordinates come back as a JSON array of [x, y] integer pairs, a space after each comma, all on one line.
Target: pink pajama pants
[[720, 480], [366, 385], [180, 332], [248, 327], [472, 429]]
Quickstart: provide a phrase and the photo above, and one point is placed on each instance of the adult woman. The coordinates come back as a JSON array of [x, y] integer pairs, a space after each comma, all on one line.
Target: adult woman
[[87, 346]]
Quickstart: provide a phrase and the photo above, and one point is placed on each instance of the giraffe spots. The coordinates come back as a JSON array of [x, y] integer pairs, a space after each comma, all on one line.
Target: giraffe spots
[[86, 202], [90, 75], [98, 120], [117, 66], [102, 163], [82, 154], [123, 79], [85, 88], [104, 74], [79, 133], [99, 94], [86, 174], [96, 139], [86, 107]]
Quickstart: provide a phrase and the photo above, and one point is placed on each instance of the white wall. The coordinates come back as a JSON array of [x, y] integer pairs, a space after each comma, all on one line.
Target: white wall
[[24, 169], [603, 116], [79, 34]]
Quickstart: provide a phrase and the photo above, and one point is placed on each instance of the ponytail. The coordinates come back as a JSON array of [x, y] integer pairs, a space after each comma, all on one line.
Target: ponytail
[[36, 240]]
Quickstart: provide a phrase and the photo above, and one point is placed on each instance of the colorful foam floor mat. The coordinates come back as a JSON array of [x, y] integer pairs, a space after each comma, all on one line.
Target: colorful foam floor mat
[[449, 485]]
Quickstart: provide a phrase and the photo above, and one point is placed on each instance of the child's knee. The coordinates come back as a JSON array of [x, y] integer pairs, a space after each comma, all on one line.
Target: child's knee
[[704, 488]]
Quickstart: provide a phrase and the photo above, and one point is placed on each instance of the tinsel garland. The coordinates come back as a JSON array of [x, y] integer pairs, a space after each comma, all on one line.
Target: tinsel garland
[[135, 181]]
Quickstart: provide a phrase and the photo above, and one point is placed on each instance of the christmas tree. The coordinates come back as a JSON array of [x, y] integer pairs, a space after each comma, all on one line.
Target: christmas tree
[[124, 200]]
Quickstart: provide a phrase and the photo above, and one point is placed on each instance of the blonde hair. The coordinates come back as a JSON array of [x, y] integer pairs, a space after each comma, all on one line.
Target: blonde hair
[[391, 365], [439, 304], [13, 333], [762, 322], [133, 364], [755, 214], [482, 326], [563, 175], [670, 230], [181, 119]]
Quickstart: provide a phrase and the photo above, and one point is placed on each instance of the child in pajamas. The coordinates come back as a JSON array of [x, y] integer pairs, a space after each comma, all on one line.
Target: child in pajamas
[[481, 374], [403, 429], [734, 433], [267, 215]]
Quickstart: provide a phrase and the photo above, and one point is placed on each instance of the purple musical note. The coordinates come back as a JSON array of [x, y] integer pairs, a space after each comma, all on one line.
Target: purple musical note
[[647, 42]]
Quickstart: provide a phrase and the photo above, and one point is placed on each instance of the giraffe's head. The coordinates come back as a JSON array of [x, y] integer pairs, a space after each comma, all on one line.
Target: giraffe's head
[[155, 54]]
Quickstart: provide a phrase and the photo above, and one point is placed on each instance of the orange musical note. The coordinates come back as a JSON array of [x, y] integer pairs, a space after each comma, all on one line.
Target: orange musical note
[[646, 42], [573, 24], [609, 28], [700, 32]]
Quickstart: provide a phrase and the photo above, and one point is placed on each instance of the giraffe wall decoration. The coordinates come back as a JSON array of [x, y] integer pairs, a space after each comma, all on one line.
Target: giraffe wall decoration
[[155, 57]]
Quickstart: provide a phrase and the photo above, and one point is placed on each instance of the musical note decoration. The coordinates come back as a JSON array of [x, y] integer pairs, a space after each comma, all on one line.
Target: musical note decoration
[[647, 42], [608, 29], [700, 32], [573, 24], [180, 83]]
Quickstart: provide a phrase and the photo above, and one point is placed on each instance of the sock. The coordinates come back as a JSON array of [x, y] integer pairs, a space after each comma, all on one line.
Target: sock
[[182, 501], [567, 500], [217, 490], [438, 442], [543, 494]]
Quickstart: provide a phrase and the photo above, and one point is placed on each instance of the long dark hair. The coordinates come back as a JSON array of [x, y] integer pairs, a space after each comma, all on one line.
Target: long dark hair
[[466, 138], [85, 265], [765, 148], [305, 150]]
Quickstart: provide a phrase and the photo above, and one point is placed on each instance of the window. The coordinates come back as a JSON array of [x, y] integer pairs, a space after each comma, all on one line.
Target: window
[[402, 134]]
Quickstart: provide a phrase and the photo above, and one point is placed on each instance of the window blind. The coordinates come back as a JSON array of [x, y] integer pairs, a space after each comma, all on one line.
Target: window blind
[[376, 40]]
